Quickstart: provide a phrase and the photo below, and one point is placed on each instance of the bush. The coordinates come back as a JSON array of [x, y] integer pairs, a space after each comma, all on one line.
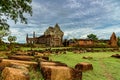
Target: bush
[[3, 47]]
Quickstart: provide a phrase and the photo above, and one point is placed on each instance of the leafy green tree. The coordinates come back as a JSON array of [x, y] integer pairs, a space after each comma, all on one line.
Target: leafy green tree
[[65, 42], [4, 31], [14, 10], [118, 41], [92, 37], [12, 39]]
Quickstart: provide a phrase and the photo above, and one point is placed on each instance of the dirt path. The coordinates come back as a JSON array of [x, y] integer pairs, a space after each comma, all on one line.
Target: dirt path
[[106, 73]]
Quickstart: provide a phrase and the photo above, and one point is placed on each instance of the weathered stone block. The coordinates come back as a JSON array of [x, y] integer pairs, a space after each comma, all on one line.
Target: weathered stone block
[[83, 66], [20, 66], [38, 55], [116, 55], [60, 73], [4, 64], [21, 53], [14, 74], [41, 60], [24, 58], [7, 62], [87, 57], [51, 63]]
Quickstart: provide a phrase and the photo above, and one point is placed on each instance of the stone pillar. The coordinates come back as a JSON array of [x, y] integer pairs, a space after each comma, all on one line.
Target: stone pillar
[[27, 39], [33, 37]]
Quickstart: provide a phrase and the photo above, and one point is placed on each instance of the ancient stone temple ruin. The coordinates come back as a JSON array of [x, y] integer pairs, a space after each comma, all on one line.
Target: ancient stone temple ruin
[[113, 40], [52, 37]]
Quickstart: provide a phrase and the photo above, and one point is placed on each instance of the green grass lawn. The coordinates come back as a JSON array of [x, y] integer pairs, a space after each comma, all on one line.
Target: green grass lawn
[[104, 66]]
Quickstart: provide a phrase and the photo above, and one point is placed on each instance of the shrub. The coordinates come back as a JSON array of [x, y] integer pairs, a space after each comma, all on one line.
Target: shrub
[[3, 47]]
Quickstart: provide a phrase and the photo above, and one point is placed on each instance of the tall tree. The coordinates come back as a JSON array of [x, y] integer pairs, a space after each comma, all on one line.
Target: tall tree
[[13, 10], [92, 37], [4, 31]]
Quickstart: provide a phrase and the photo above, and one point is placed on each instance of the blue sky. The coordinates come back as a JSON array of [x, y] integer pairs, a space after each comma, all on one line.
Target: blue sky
[[77, 18]]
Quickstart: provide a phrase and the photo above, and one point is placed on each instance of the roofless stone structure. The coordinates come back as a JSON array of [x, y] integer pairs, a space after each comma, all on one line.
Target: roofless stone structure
[[53, 36], [112, 42]]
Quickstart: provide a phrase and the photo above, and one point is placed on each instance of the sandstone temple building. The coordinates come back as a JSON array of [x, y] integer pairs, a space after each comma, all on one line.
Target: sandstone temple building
[[53, 36], [112, 42]]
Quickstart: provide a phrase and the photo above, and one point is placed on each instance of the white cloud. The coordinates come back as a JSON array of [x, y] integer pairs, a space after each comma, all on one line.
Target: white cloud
[[39, 8], [73, 4]]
